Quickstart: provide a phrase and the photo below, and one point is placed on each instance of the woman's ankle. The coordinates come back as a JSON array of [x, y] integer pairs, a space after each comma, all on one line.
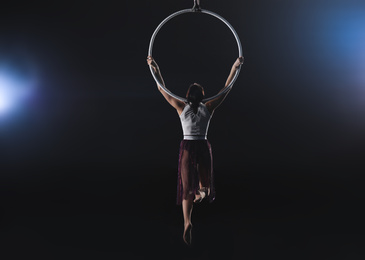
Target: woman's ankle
[[187, 224]]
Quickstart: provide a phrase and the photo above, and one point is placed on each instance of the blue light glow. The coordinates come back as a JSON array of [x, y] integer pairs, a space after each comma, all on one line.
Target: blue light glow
[[343, 35], [334, 45]]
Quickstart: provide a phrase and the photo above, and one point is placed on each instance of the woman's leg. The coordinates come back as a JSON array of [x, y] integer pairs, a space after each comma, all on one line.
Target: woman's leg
[[187, 205], [188, 196], [204, 169]]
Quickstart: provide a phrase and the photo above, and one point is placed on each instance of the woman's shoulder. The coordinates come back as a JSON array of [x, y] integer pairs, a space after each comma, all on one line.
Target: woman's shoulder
[[204, 106], [186, 106]]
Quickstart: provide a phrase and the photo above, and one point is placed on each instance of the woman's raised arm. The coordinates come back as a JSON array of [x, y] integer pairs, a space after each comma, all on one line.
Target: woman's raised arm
[[177, 104], [213, 104]]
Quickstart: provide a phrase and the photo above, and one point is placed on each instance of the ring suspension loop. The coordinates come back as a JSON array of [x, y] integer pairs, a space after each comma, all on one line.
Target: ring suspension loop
[[196, 9]]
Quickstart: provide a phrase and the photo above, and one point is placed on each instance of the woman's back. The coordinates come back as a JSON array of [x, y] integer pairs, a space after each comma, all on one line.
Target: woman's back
[[195, 125]]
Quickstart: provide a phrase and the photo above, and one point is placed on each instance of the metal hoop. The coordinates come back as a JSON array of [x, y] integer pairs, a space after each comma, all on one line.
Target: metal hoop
[[205, 12]]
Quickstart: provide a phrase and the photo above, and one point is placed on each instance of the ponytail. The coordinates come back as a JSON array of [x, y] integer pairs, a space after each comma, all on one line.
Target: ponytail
[[195, 95]]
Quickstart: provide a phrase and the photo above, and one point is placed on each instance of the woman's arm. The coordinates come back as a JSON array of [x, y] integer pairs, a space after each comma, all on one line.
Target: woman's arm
[[213, 104], [177, 104]]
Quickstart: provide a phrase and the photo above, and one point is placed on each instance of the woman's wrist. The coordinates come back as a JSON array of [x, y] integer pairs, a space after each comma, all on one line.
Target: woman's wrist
[[155, 69]]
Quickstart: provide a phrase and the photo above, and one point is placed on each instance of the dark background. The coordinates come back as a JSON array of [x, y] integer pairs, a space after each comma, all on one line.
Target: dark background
[[89, 161]]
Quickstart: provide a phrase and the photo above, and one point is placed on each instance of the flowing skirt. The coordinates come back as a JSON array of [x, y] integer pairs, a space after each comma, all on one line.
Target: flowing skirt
[[195, 164]]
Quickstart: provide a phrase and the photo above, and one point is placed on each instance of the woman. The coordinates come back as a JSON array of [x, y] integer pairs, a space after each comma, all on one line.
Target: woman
[[195, 171]]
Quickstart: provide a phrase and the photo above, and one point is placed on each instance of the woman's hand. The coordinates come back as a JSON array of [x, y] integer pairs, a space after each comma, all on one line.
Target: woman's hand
[[238, 62], [152, 62]]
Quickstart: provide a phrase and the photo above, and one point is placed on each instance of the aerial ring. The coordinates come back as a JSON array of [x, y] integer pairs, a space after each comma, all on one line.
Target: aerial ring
[[192, 11]]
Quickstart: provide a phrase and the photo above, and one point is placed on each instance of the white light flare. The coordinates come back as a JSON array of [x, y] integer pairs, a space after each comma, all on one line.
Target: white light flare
[[13, 92]]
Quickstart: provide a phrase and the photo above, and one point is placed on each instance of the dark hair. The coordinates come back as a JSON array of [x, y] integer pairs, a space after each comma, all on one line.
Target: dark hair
[[195, 95]]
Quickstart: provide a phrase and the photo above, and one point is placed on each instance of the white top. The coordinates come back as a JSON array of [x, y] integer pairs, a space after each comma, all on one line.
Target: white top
[[195, 126]]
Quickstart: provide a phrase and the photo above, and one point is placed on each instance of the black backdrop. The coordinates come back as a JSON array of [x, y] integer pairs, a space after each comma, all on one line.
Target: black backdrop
[[88, 166]]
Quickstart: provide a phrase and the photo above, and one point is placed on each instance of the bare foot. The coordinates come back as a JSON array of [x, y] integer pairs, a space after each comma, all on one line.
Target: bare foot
[[187, 234], [197, 198], [200, 196]]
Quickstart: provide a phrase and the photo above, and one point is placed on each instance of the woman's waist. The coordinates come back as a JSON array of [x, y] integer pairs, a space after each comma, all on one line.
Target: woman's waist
[[195, 137]]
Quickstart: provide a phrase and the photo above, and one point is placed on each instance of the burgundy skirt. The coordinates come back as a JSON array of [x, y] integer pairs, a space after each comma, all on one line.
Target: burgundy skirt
[[195, 165]]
